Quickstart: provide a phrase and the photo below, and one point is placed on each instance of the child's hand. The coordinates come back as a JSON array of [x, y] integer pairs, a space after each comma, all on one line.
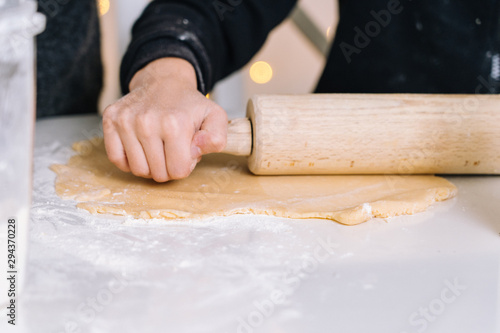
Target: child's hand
[[163, 126]]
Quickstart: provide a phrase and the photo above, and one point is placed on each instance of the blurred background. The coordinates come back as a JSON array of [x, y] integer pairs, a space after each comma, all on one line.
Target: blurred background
[[291, 60]]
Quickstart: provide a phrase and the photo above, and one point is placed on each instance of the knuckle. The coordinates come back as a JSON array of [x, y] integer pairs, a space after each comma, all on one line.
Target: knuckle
[[107, 123], [144, 125], [109, 111], [220, 111], [108, 117], [172, 125], [123, 122]]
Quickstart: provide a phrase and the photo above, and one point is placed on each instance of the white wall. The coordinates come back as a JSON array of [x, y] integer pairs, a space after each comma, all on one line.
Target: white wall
[[116, 26]]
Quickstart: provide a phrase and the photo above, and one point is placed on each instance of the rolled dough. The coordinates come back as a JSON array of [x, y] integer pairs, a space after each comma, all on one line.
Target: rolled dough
[[222, 185]]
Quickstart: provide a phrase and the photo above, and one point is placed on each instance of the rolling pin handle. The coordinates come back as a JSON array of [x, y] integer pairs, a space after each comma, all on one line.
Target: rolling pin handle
[[239, 137]]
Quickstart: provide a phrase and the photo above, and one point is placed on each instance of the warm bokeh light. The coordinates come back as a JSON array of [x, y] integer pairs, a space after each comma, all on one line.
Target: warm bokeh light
[[103, 7], [328, 32], [261, 72], [207, 95]]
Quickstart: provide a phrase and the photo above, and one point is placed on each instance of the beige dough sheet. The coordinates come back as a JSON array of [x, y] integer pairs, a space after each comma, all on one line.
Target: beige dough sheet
[[221, 185]]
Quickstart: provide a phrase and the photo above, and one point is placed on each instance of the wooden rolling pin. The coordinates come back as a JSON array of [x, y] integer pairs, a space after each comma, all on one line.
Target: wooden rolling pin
[[369, 134]]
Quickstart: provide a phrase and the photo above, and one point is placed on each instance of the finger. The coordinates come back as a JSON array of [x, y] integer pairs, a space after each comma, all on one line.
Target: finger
[[135, 155], [115, 150], [155, 156], [212, 136], [178, 157]]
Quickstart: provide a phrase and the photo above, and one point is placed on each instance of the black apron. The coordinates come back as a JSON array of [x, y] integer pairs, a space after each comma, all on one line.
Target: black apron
[[438, 46]]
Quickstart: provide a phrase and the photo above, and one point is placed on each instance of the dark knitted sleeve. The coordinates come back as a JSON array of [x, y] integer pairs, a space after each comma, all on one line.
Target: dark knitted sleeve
[[216, 36]]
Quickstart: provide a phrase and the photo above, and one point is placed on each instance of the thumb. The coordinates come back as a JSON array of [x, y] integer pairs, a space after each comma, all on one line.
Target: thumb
[[212, 136]]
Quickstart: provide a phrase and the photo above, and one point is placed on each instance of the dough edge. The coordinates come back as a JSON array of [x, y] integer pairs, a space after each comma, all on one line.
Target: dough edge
[[411, 202], [350, 216]]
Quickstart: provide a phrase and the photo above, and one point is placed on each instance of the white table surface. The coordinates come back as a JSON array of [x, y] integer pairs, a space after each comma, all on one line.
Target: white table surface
[[436, 271]]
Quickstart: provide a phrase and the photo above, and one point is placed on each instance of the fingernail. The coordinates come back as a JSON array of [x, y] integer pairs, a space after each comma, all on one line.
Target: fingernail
[[193, 166], [195, 152]]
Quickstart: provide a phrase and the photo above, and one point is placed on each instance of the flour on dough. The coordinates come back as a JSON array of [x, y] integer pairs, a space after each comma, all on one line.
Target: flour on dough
[[222, 185]]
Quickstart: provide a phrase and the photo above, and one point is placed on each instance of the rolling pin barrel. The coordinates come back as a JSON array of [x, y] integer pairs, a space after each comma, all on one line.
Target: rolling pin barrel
[[369, 134]]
